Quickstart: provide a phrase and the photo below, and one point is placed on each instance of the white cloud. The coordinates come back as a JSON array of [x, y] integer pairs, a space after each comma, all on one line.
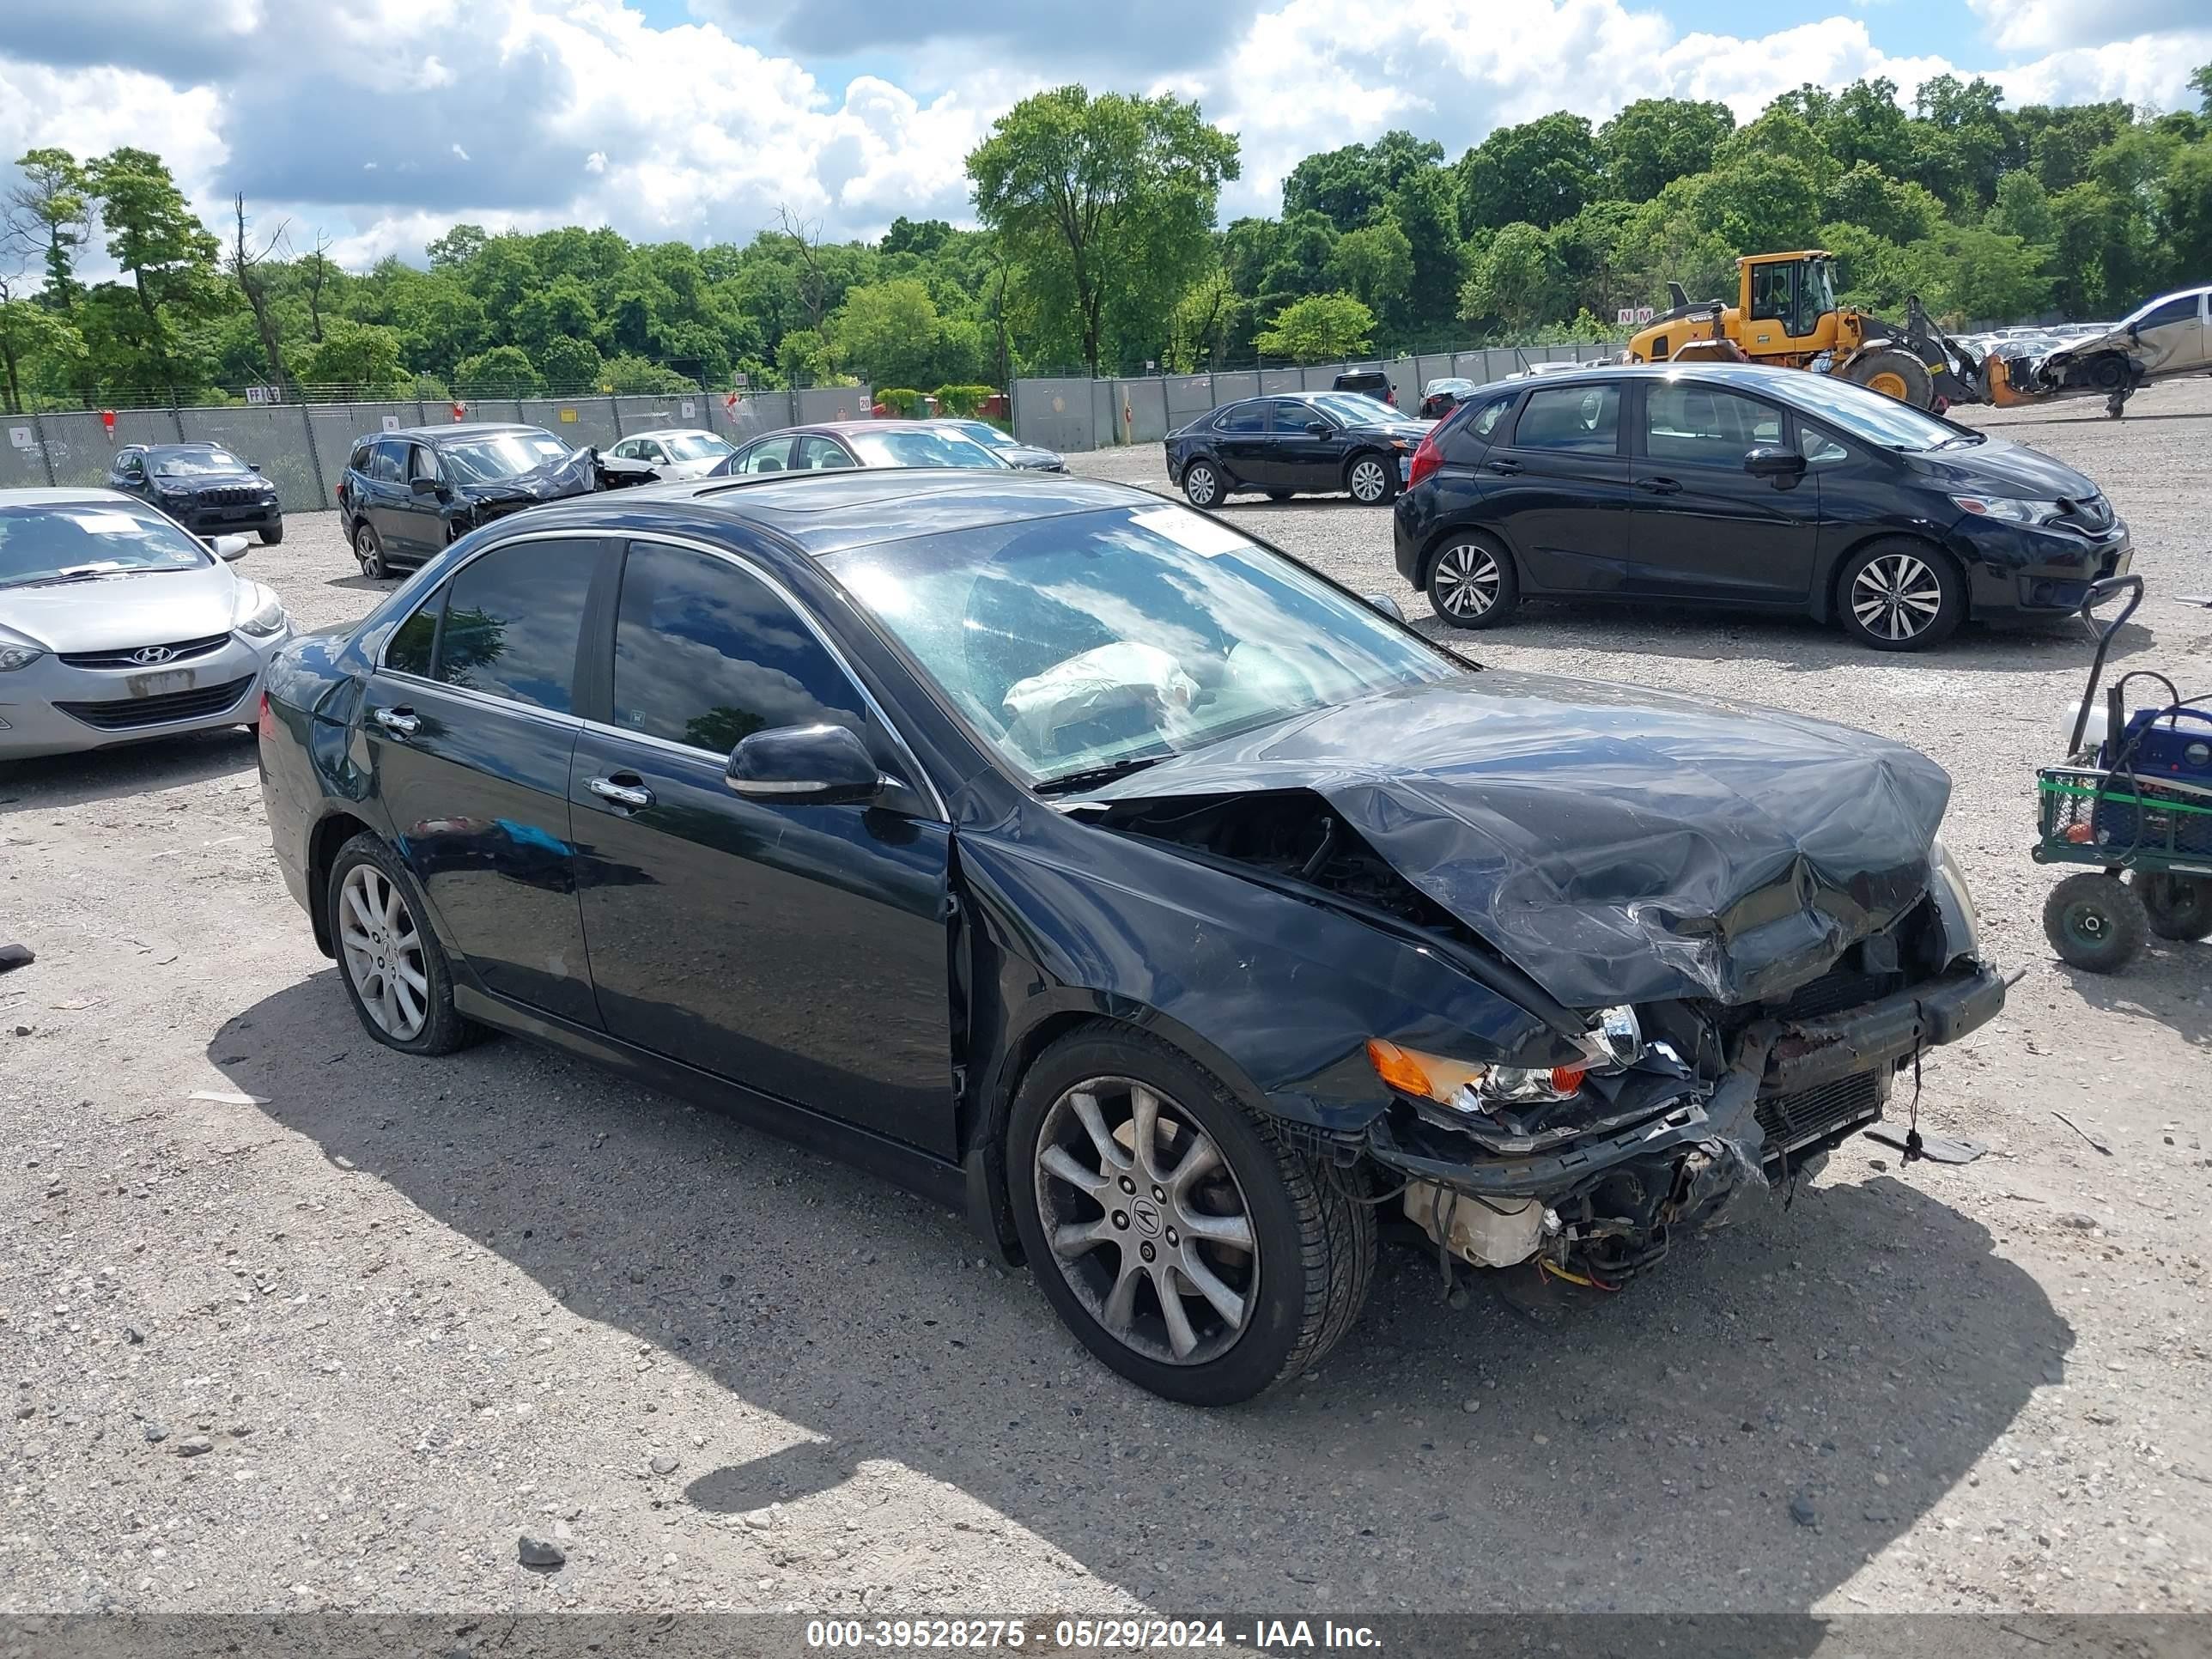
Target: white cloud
[[2054, 25]]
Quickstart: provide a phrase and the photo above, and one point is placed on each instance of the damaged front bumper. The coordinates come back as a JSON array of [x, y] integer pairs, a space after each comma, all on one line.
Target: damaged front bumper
[[1605, 1204]]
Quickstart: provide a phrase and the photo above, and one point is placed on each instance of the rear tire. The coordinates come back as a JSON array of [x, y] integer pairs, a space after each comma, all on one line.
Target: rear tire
[[1899, 595], [1297, 1280], [395, 971], [1471, 582], [1203, 485], [1895, 373], [368, 550], [2095, 922], [2176, 906]]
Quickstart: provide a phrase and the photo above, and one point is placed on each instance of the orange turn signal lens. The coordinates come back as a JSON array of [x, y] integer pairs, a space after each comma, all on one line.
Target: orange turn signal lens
[[1398, 1068], [1568, 1078]]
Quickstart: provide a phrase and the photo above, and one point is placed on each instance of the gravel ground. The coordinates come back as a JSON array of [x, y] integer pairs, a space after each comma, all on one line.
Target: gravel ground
[[337, 1347]]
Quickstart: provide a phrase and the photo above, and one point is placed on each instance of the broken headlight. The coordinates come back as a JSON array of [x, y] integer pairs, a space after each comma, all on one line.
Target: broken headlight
[[1952, 883], [1470, 1086]]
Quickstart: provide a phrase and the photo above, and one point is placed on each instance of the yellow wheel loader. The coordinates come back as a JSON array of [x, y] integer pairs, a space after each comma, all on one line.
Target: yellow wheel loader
[[1785, 314]]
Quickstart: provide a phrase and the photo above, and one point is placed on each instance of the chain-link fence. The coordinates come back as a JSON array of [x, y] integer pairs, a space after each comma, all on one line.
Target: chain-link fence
[[302, 448], [1075, 414]]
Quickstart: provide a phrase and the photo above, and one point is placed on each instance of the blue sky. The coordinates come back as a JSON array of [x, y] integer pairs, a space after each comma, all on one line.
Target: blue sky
[[382, 122]]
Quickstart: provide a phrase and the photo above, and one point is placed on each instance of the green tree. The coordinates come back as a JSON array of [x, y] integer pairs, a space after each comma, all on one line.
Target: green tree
[[503, 371], [1515, 278], [169, 256], [1538, 172], [48, 212], [560, 310], [892, 333], [1891, 208], [35, 340], [1350, 186], [354, 354], [1104, 203], [1655, 141], [1375, 264], [570, 363], [2022, 208], [1426, 208], [2200, 82], [1319, 329]]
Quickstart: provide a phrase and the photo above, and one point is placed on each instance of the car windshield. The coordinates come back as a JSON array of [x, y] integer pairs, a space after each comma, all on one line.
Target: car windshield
[[1881, 420], [984, 433], [1434, 386], [1354, 408], [696, 446], [488, 460], [197, 463], [919, 446], [1110, 638], [67, 540]]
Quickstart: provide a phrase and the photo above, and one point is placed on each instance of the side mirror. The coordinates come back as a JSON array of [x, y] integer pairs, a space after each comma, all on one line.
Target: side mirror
[[1386, 605], [253, 466], [1319, 429], [228, 548], [423, 486], [1785, 466], [805, 766]]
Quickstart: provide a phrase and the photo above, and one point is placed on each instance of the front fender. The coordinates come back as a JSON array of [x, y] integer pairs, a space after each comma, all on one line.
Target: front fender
[[1277, 995]]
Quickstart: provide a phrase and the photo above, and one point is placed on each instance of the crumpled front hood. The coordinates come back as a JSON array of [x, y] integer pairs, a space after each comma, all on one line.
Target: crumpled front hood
[[571, 474], [1615, 843], [123, 612]]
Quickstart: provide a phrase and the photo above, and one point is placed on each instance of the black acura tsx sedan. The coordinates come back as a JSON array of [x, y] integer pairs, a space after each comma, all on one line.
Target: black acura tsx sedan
[[1085, 864]]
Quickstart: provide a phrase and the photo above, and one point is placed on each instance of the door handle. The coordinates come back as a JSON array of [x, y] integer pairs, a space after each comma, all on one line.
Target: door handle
[[622, 794], [400, 722], [1660, 486], [1503, 466]]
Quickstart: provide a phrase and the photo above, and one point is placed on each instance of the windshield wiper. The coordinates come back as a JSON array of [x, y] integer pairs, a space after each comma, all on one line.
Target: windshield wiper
[[1963, 438], [1106, 774], [74, 572]]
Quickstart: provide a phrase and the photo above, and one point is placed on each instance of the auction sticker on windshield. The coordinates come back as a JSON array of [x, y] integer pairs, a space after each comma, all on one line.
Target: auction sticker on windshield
[[1188, 529]]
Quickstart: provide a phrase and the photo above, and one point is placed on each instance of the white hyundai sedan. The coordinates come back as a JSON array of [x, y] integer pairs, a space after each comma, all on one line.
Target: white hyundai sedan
[[117, 625]]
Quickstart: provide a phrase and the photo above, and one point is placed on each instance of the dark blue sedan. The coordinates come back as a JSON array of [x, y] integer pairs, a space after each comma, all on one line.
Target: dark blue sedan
[[1081, 862]]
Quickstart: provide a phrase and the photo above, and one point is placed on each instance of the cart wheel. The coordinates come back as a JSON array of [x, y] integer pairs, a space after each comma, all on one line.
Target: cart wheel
[[2177, 906], [2095, 922]]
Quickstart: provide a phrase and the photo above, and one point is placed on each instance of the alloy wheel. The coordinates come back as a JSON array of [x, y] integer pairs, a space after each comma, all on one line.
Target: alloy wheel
[[1467, 578], [1198, 484], [1896, 597], [1147, 1223], [1369, 481], [383, 951]]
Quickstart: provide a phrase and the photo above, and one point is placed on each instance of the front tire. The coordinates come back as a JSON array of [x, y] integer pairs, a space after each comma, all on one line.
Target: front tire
[[368, 550], [2095, 922], [1472, 584], [1372, 479], [1900, 596], [1180, 1238], [1203, 485], [395, 971], [272, 535], [2176, 906]]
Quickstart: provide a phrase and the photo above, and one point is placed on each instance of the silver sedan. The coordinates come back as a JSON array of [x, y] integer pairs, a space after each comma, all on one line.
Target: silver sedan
[[117, 625]]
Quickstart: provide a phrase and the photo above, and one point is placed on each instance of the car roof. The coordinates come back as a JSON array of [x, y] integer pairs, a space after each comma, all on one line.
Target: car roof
[[457, 429], [673, 432], [64, 495], [832, 511]]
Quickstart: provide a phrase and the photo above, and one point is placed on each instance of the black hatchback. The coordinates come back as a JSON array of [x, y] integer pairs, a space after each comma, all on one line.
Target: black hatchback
[[203, 486], [1295, 443], [1733, 485]]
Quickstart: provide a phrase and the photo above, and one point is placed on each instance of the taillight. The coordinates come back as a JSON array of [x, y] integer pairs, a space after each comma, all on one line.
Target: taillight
[[1426, 459]]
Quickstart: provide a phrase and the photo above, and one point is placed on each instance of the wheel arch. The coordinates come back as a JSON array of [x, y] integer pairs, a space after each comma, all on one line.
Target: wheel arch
[[331, 833], [1436, 543], [1828, 592]]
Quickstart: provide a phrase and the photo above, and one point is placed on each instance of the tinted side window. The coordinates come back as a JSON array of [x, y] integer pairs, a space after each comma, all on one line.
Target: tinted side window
[[422, 462], [1819, 449], [1699, 424], [408, 651], [706, 654], [1579, 417], [387, 462], [818, 454], [1291, 416], [358, 461], [1485, 420], [2182, 310], [1241, 417], [769, 455], [511, 621]]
